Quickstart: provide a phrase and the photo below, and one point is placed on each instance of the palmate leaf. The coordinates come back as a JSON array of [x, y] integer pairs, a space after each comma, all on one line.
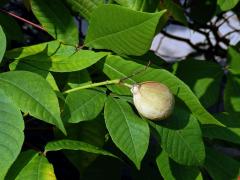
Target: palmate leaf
[[33, 95], [83, 105], [116, 67], [220, 166], [181, 138], [56, 20], [227, 4], [84, 7], [132, 35], [11, 133], [171, 170], [2, 43], [31, 165], [76, 145], [129, 132]]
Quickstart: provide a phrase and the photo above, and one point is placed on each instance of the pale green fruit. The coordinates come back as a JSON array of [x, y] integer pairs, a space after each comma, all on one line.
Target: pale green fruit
[[153, 100]]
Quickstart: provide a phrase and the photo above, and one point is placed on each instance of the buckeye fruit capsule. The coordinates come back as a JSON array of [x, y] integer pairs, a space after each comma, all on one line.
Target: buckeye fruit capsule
[[153, 100]]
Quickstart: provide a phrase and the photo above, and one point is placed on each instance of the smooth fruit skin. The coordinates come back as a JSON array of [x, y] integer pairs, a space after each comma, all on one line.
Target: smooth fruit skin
[[153, 100]]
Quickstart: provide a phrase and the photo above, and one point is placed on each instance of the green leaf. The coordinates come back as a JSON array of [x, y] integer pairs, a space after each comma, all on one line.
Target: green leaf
[[79, 78], [139, 5], [129, 132], [171, 170], [76, 145], [91, 132], [232, 94], [220, 166], [116, 67], [21, 161], [59, 25], [231, 134], [45, 74], [233, 60], [3, 43], [84, 7], [226, 5], [83, 105], [63, 63], [33, 95], [132, 35], [176, 11], [37, 168], [11, 133], [52, 47], [204, 78], [181, 138]]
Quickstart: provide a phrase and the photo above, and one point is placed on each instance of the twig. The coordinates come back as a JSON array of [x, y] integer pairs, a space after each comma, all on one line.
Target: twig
[[22, 19]]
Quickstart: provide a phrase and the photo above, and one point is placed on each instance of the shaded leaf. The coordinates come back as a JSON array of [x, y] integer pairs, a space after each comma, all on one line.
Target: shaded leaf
[[203, 77], [83, 105], [132, 35], [38, 168], [75, 145], [234, 60], [79, 78], [33, 95], [129, 132], [181, 138], [176, 11], [232, 94], [11, 133], [220, 166], [3, 43], [59, 25], [171, 170]]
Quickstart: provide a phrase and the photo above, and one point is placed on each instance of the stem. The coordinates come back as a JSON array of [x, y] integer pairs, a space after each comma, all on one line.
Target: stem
[[115, 81], [22, 19]]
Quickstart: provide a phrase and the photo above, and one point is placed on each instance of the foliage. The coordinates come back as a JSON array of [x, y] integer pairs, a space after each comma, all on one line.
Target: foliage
[[55, 83]]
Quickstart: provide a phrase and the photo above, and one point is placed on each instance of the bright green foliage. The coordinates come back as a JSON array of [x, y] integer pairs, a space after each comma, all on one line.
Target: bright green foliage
[[221, 166], [181, 138], [11, 133], [3, 43], [60, 63], [83, 105], [133, 36], [129, 132], [56, 20], [233, 58], [84, 7], [75, 145], [227, 4], [139, 5], [33, 95], [37, 168]]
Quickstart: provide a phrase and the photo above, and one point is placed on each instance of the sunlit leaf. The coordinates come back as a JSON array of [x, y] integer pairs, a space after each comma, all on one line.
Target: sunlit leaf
[[11, 133], [33, 95], [131, 36], [129, 132]]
